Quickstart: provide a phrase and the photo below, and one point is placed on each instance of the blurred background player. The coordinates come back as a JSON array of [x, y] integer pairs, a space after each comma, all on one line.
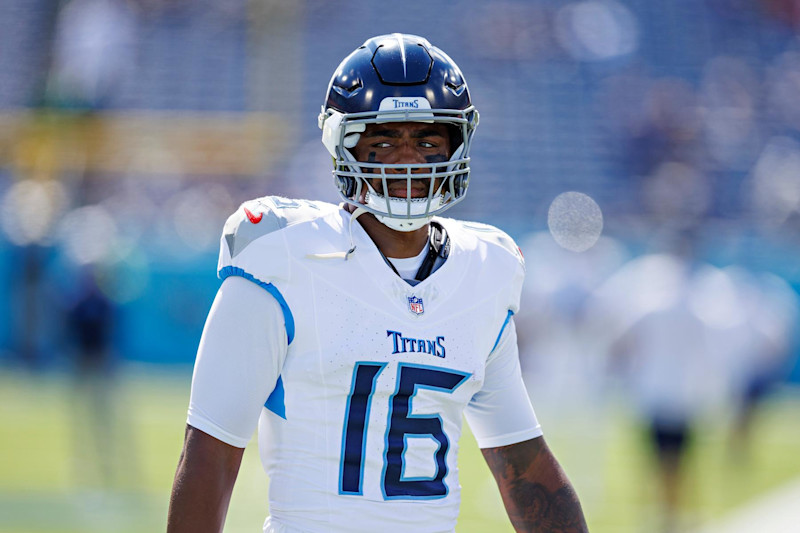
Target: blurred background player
[[666, 360], [90, 318]]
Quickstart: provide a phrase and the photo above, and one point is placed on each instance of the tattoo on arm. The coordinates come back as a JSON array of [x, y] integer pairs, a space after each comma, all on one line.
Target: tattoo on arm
[[536, 492]]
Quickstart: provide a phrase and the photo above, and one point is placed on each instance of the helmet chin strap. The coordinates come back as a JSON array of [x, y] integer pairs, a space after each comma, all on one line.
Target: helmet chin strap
[[400, 205], [353, 216], [404, 225]]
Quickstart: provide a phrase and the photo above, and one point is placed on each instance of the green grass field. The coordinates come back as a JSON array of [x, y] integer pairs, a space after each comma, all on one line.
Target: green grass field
[[52, 476]]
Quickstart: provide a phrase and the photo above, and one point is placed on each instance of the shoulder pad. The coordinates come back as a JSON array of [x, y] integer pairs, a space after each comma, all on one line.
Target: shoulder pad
[[262, 216], [495, 236]]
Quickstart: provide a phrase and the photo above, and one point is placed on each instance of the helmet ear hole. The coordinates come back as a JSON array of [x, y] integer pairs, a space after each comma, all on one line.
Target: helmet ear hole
[[460, 185], [455, 138], [346, 185]]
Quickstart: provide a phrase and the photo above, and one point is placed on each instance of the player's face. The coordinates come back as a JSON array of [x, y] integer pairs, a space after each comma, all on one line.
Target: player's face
[[404, 143]]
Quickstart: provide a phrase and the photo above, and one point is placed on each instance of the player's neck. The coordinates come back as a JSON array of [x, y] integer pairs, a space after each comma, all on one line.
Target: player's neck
[[392, 243]]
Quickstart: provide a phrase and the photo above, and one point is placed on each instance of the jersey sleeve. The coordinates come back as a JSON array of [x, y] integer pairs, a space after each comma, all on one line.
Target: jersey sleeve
[[238, 362], [501, 412]]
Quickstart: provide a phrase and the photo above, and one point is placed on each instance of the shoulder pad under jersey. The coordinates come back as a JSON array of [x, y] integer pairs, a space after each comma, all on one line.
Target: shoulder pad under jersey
[[495, 236], [262, 216]]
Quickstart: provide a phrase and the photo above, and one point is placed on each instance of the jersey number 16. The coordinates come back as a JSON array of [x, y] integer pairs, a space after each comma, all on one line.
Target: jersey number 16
[[402, 423]]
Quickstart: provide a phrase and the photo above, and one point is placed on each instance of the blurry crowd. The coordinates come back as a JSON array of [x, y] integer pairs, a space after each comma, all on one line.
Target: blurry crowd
[[131, 128]]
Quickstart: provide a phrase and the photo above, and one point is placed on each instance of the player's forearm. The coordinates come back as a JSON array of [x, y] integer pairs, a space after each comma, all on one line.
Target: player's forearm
[[193, 508], [536, 492], [203, 484], [532, 507]]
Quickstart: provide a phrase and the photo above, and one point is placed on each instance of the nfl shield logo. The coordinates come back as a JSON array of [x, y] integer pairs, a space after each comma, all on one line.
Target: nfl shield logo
[[415, 305]]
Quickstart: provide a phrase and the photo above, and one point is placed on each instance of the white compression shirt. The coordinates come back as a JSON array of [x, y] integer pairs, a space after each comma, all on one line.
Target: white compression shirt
[[407, 267], [243, 348]]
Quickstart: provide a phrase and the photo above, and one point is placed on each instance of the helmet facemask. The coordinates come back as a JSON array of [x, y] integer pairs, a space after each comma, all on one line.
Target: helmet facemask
[[446, 181]]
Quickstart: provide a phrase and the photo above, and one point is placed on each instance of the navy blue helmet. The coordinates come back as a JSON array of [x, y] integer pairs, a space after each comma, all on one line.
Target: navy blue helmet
[[398, 78]]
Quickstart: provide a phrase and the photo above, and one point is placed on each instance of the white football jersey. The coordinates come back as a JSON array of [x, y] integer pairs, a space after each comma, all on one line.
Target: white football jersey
[[361, 429]]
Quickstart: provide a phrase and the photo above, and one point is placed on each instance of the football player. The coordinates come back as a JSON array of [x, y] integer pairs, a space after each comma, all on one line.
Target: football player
[[357, 336]]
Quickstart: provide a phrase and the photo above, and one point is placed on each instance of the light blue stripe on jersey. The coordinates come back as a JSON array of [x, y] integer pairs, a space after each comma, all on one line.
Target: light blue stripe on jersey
[[288, 318], [275, 402], [508, 319]]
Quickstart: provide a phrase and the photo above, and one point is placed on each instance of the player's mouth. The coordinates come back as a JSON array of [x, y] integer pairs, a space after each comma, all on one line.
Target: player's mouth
[[399, 189]]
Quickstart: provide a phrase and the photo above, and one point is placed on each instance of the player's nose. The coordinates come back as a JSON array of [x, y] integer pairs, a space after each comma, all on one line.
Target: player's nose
[[408, 154]]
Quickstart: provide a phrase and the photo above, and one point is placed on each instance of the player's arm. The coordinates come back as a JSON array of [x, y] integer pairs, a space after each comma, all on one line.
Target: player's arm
[[536, 492], [239, 359], [203, 484]]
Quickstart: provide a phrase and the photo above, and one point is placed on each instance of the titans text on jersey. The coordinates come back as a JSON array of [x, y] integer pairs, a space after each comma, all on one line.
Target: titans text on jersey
[[401, 344]]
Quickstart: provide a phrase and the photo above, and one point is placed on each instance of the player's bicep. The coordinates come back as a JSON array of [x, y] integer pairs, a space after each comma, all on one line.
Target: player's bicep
[[239, 359], [501, 412]]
